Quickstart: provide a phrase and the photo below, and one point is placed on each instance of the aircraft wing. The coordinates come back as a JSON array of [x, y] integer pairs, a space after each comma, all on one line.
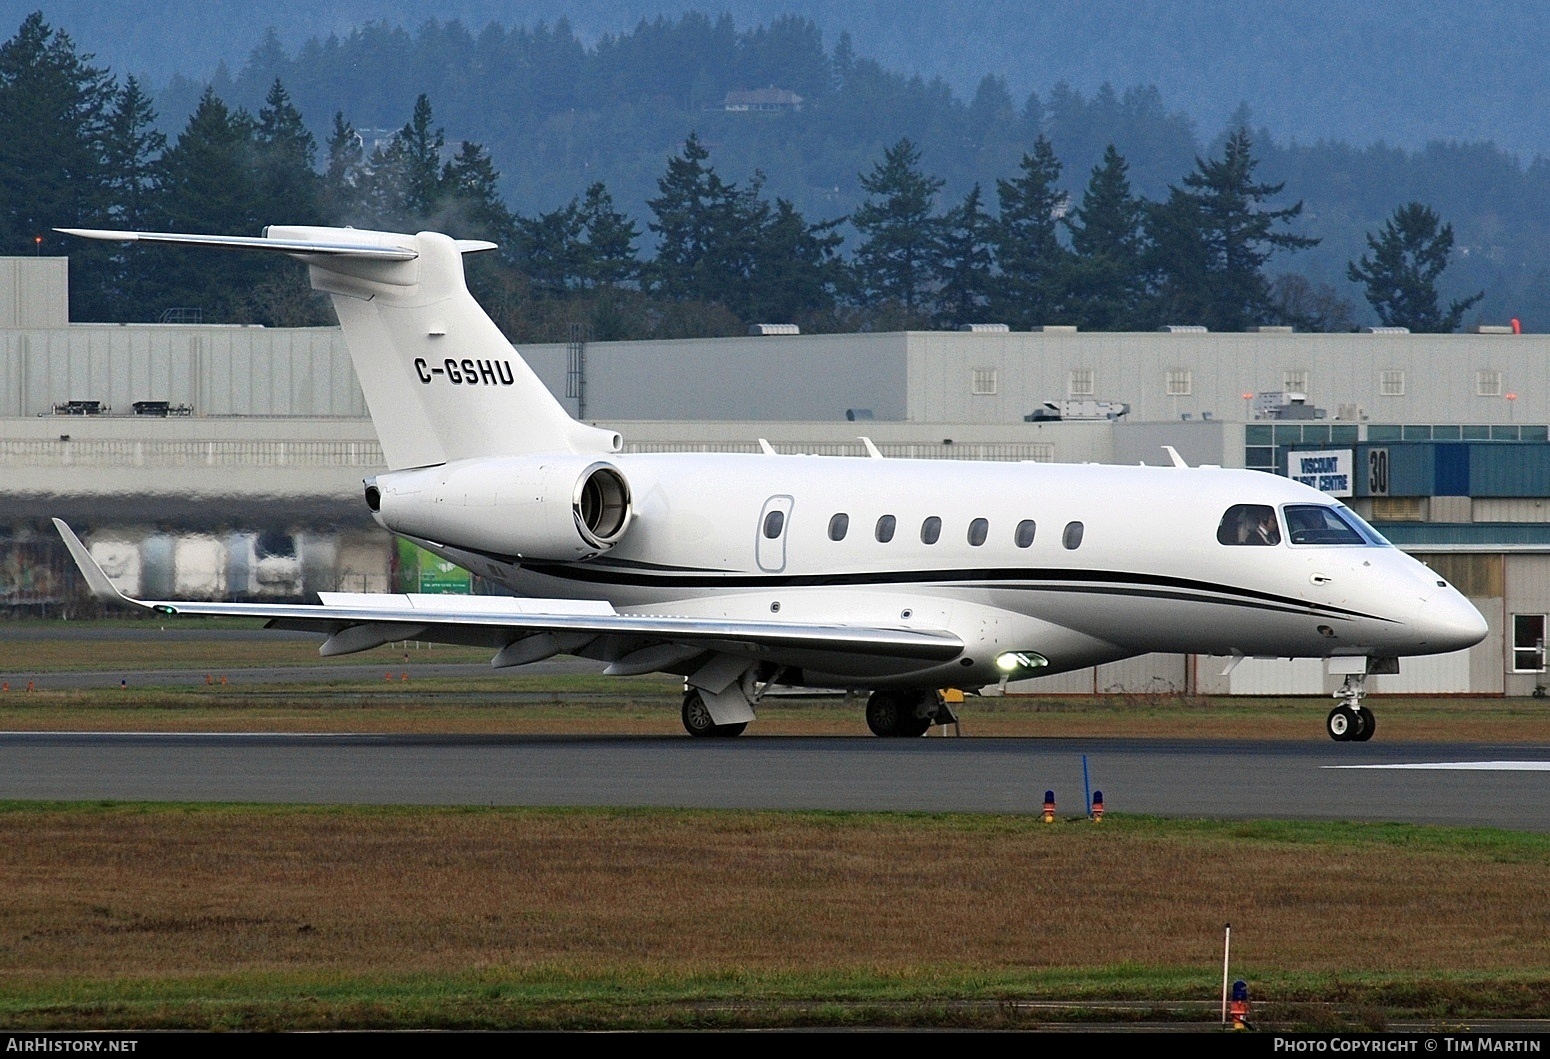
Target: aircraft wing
[[524, 630]]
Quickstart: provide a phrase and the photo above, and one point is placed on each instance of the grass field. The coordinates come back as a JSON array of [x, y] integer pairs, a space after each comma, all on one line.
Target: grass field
[[147, 916], [264, 918]]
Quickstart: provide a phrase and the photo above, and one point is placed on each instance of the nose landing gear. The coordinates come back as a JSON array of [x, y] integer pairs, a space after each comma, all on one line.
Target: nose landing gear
[[1350, 722]]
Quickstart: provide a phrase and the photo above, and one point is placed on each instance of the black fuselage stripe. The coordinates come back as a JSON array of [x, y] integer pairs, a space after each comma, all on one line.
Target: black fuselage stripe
[[1154, 586]]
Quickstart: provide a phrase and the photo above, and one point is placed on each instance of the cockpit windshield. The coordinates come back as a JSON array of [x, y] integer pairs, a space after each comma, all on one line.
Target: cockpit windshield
[[1318, 524], [1249, 524]]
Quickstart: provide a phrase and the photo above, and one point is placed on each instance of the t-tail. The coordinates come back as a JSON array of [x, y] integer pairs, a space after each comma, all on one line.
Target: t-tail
[[441, 381]]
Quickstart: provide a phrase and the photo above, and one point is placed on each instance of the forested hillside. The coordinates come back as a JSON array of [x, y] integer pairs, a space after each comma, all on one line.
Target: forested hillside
[[559, 147]]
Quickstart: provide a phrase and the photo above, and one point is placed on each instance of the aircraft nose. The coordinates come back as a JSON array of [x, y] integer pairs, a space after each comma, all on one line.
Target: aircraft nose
[[1449, 622]]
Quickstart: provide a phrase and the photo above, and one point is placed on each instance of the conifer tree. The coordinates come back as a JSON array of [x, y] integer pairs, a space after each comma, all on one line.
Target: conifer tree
[[131, 150], [610, 234], [702, 229], [207, 184], [285, 160], [897, 256], [1027, 244], [404, 186], [53, 111], [344, 175], [966, 259], [131, 154], [1401, 269], [1212, 238], [471, 202], [1107, 281], [796, 267]]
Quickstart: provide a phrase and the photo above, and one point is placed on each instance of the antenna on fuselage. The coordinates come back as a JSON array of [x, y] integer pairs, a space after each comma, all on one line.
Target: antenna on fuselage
[[1173, 454], [871, 449]]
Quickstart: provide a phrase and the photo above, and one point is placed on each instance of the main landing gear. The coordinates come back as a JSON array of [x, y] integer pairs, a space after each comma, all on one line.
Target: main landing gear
[[906, 712], [1350, 722], [699, 723]]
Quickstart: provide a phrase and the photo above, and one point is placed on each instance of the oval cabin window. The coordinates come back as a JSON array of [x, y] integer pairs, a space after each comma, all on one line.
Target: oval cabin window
[[839, 525], [979, 529], [774, 522], [1072, 538], [931, 530], [1024, 536], [885, 527]]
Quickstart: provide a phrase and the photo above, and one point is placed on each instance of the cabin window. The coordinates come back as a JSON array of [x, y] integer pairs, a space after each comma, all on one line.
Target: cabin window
[[885, 527], [1072, 537], [1528, 643], [839, 525], [1023, 538], [1316, 524], [1249, 524], [774, 522], [979, 529], [931, 530]]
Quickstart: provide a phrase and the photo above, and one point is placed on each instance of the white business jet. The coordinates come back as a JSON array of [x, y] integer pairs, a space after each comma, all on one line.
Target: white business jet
[[901, 579]]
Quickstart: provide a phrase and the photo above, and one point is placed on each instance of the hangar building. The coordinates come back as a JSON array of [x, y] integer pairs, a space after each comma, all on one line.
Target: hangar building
[[228, 459]]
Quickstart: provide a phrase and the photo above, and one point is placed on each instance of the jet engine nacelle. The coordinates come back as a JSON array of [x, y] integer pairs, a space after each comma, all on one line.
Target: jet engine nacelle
[[558, 508]]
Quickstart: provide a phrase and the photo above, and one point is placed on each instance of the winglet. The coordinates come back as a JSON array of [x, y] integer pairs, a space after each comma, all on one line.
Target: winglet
[[96, 580]]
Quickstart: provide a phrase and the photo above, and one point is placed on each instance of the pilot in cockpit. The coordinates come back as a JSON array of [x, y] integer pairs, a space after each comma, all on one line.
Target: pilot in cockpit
[[1265, 530], [1251, 524]]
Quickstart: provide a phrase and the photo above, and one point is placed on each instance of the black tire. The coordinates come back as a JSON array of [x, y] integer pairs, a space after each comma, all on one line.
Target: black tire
[[696, 716], [884, 709], [1341, 724], [729, 731], [911, 726], [1369, 725]]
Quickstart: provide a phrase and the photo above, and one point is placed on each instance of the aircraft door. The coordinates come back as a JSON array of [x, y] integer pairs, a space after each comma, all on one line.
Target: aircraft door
[[770, 534]]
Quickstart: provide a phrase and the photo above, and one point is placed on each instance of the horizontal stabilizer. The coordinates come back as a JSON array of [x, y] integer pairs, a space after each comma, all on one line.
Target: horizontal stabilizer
[[372, 245]]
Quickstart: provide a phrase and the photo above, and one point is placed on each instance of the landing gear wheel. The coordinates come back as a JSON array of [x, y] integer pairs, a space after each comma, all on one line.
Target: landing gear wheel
[[1369, 725], [1342, 724], [699, 723], [884, 710], [696, 716], [895, 713]]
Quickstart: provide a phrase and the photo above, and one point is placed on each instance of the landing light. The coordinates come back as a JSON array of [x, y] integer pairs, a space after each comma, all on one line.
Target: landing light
[[1012, 661]]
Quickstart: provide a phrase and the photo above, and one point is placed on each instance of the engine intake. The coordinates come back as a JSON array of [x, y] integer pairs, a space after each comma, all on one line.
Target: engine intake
[[558, 508]]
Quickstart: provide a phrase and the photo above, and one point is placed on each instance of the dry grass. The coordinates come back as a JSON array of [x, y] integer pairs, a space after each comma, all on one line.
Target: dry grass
[[213, 654], [524, 705], [127, 892]]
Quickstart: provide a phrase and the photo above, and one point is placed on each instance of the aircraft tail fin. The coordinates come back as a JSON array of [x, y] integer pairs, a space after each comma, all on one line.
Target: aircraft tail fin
[[441, 381]]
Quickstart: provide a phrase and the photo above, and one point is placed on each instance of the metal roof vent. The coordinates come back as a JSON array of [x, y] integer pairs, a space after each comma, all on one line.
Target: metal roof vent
[[774, 329]]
